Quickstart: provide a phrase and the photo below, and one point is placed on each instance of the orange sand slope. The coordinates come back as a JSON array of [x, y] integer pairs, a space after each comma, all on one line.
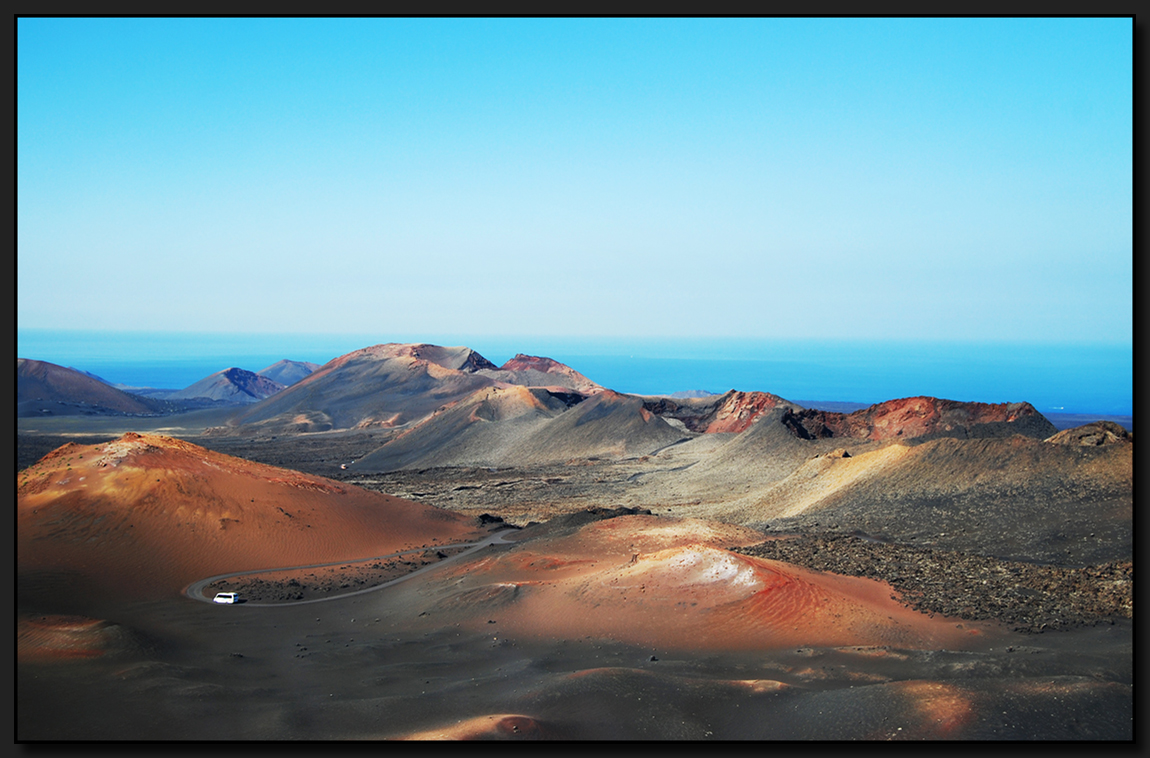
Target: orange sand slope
[[152, 514], [671, 583]]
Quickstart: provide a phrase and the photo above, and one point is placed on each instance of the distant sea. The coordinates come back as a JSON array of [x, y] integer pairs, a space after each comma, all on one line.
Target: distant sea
[[1059, 378]]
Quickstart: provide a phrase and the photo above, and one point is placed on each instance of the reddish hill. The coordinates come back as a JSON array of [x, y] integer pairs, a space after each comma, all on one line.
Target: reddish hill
[[43, 386], [147, 515], [922, 418], [535, 371], [733, 411]]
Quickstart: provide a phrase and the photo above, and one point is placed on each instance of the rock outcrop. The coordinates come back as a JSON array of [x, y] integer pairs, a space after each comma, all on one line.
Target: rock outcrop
[[732, 411], [922, 418], [1093, 435], [537, 371]]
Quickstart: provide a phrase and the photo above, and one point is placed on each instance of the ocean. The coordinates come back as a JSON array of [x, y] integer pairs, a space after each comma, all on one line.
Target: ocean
[[1059, 378]]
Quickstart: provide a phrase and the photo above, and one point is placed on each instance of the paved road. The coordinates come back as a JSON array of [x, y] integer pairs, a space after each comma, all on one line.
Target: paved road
[[196, 590]]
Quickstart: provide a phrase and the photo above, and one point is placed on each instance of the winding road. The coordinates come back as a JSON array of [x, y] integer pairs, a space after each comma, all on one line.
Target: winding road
[[195, 590]]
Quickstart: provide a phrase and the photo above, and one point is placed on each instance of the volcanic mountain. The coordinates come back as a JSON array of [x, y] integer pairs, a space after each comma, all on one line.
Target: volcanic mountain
[[396, 384], [535, 371], [498, 426], [482, 429], [232, 385], [147, 514], [708, 414], [923, 418], [1052, 499], [43, 387], [379, 386], [287, 372]]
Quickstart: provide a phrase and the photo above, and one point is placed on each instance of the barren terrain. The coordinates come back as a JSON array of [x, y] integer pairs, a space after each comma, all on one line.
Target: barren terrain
[[572, 563]]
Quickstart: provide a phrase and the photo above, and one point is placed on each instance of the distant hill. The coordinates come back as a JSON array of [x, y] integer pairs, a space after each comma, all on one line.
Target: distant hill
[[922, 418], [691, 393], [232, 385], [44, 388], [287, 372], [1094, 434], [393, 385], [535, 371], [838, 406], [732, 411], [1072, 420], [383, 386], [94, 376], [479, 430]]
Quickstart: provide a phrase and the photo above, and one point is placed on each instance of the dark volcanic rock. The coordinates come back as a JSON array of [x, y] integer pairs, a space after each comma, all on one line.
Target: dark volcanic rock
[[732, 411], [1093, 435], [1027, 596], [921, 419]]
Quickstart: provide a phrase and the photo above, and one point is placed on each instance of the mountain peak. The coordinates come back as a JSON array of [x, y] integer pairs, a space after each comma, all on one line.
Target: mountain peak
[[234, 385], [539, 371]]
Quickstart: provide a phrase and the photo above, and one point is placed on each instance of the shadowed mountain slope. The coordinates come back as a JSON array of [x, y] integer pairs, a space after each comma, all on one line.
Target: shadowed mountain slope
[[607, 424], [232, 385], [479, 430], [512, 426], [43, 386]]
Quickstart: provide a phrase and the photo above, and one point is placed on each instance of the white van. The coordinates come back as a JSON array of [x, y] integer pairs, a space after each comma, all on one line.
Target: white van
[[226, 597]]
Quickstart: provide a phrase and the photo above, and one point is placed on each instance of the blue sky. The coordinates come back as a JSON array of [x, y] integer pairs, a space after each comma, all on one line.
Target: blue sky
[[953, 179]]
